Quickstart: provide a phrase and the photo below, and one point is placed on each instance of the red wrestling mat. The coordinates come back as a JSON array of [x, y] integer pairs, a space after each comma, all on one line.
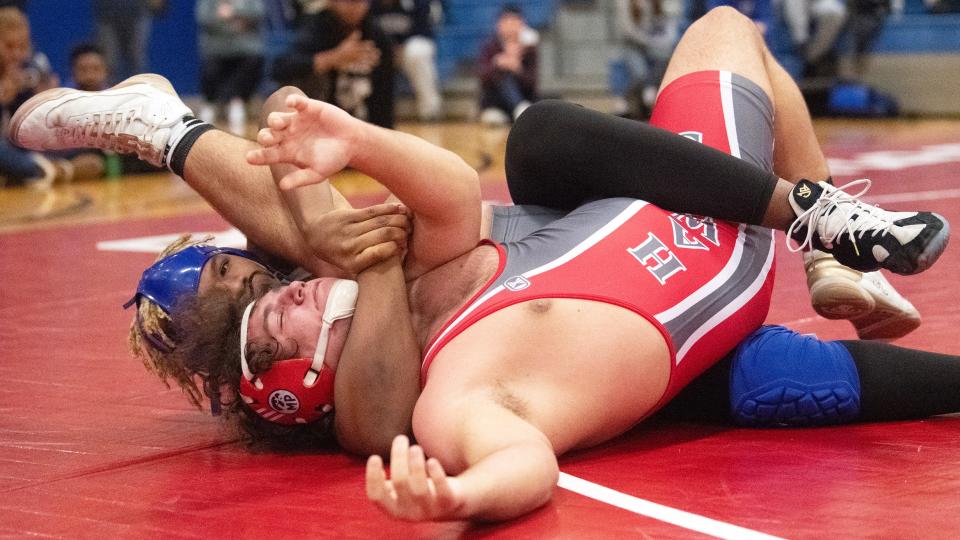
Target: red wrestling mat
[[92, 446]]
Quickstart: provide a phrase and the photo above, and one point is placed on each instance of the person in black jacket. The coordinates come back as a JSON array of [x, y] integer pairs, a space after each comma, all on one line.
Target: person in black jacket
[[342, 57]]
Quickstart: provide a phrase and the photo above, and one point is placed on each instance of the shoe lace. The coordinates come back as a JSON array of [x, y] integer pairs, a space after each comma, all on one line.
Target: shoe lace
[[110, 131], [868, 218]]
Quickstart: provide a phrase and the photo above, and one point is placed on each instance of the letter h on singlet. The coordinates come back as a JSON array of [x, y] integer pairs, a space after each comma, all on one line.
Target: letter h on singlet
[[657, 258]]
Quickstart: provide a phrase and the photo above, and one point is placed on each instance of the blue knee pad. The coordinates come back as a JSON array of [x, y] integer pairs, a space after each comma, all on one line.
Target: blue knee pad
[[782, 378]]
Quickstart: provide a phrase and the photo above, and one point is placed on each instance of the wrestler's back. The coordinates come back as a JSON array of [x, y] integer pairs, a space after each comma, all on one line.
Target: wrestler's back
[[579, 371]]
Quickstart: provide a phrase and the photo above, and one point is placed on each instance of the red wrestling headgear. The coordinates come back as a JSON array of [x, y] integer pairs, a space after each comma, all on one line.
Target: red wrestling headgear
[[300, 390]]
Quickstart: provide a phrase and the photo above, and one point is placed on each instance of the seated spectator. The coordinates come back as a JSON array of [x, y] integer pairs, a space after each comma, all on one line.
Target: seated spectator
[[30, 68], [647, 32], [23, 73], [88, 68], [409, 25], [342, 57], [88, 72], [508, 68], [231, 52]]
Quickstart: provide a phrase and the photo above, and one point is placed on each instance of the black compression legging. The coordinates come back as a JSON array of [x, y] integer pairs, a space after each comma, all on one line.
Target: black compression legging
[[561, 155], [895, 384]]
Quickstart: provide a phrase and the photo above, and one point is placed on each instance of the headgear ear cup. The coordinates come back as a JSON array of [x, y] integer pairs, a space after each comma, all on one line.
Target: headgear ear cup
[[282, 396], [175, 277], [300, 390]]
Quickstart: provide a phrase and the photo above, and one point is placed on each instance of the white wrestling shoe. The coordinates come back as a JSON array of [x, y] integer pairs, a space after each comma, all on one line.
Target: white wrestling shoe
[[140, 115], [862, 236], [867, 300]]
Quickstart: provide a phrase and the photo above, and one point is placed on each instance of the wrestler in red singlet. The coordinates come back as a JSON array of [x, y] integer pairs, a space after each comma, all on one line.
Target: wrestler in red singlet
[[704, 284]]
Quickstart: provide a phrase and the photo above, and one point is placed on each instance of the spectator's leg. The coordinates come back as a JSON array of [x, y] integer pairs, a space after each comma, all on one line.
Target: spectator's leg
[[17, 165], [212, 70], [247, 77], [381, 102], [639, 66], [618, 79], [211, 73], [829, 16], [491, 109], [137, 47], [865, 27], [796, 15], [108, 40], [420, 67], [510, 94], [238, 85]]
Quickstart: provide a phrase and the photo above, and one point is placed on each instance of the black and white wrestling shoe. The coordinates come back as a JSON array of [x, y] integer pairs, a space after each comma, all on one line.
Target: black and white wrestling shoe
[[862, 236]]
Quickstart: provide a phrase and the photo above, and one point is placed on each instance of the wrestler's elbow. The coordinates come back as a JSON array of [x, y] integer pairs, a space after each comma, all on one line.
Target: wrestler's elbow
[[519, 479]]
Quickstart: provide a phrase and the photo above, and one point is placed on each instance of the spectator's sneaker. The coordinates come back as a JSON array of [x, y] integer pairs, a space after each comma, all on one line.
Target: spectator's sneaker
[[141, 115], [867, 300], [862, 236], [492, 116]]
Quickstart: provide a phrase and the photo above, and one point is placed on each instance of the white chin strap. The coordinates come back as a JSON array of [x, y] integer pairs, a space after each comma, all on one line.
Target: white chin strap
[[341, 303]]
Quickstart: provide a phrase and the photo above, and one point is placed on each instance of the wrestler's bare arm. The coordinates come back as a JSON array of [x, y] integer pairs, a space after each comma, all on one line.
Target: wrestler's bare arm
[[248, 198], [351, 239], [440, 188], [378, 378], [510, 470]]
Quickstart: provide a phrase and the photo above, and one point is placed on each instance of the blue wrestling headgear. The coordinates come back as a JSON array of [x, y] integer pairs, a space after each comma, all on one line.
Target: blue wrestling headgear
[[175, 276]]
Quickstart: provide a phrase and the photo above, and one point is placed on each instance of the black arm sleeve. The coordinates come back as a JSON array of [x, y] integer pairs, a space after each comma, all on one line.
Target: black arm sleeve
[[561, 155]]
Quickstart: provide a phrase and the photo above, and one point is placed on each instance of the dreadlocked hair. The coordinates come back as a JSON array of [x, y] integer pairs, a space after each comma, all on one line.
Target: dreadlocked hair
[[210, 347], [150, 318]]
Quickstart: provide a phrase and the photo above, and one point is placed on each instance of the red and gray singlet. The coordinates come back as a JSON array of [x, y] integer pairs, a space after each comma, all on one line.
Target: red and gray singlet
[[704, 284]]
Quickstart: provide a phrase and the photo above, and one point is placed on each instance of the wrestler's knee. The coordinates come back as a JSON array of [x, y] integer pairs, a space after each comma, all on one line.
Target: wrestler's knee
[[723, 17], [538, 116], [275, 102], [540, 119], [782, 378], [725, 20]]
